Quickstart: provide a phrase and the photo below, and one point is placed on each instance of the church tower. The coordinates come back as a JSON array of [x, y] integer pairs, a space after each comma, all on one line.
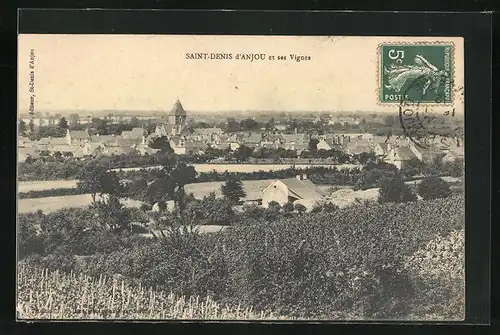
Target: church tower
[[177, 118]]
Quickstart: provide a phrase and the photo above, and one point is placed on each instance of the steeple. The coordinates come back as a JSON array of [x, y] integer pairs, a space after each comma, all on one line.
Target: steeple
[[178, 110]]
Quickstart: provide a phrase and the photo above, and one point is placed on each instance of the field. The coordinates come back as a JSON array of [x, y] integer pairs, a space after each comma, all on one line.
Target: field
[[52, 295], [40, 185], [52, 204], [199, 190]]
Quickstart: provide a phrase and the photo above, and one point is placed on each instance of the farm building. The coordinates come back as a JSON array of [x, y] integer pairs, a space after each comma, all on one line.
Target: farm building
[[290, 190], [399, 157]]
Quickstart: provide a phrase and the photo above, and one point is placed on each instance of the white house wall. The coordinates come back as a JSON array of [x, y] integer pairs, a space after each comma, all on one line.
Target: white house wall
[[277, 191]]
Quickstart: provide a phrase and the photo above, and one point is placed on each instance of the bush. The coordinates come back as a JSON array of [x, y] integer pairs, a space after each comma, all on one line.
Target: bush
[[393, 189], [146, 207], [56, 192], [433, 187]]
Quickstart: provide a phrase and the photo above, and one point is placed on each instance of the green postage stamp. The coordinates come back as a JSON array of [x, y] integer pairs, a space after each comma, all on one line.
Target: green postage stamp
[[416, 72]]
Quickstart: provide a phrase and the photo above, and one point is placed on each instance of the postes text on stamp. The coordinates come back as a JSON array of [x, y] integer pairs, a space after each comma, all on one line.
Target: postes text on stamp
[[416, 72]]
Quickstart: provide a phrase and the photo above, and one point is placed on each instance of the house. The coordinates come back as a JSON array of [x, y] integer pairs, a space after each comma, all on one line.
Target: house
[[92, 149], [399, 156], [116, 151], [177, 144], [23, 154], [145, 150], [289, 190], [323, 145], [233, 146], [424, 155], [220, 146], [357, 147], [65, 150], [210, 134], [381, 149], [454, 154], [293, 138], [77, 137], [136, 133], [343, 120]]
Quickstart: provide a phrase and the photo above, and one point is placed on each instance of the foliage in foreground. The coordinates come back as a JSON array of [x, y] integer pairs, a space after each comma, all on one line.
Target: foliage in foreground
[[52, 295], [345, 264]]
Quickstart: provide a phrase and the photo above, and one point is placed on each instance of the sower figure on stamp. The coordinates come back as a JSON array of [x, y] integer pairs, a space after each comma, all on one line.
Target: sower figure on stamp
[[398, 75]]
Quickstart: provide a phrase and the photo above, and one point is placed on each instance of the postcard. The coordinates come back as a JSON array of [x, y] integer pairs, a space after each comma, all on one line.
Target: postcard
[[238, 177]]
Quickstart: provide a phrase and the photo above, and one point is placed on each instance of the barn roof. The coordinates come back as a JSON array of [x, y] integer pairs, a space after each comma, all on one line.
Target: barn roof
[[302, 189]]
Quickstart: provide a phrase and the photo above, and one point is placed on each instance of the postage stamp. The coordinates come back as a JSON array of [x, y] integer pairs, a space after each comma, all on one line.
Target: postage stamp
[[420, 72]]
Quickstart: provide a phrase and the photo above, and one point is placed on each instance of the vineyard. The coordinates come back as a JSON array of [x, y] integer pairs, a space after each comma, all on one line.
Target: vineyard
[[347, 264], [52, 295]]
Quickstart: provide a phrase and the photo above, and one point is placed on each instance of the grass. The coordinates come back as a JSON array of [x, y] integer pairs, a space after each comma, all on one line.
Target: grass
[[52, 295], [53, 204], [41, 185]]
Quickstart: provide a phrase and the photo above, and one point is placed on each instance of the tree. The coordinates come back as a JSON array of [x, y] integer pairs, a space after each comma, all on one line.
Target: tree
[[433, 187], [243, 153], [272, 211], [454, 168], [249, 124], [95, 180], [111, 214], [101, 126], [393, 189], [162, 143], [74, 120], [168, 183], [232, 125], [62, 126], [413, 167], [214, 210], [135, 122], [22, 127], [233, 190], [270, 124], [313, 145]]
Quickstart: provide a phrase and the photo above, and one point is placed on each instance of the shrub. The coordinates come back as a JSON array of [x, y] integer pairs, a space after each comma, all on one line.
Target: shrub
[[300, 208], [56, 192], [146, 207], [393, 189], [433, 187]]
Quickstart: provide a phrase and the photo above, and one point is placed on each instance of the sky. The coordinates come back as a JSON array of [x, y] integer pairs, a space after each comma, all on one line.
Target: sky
[[149, 72]]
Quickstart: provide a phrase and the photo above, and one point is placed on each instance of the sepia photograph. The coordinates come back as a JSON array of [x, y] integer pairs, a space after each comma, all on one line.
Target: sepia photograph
[[240, 177]]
